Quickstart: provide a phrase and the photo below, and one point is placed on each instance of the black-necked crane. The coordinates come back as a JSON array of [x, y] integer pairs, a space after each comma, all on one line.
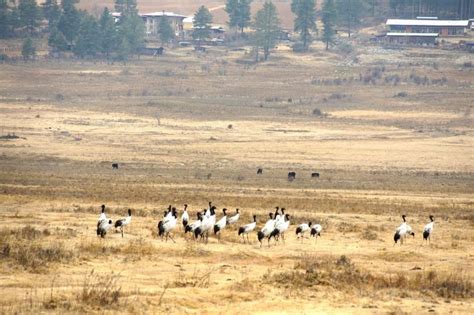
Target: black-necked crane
[[302, 229], [233, 219], [267, 228], [221, 224], [428, 230], [246, 229], [120, 224]]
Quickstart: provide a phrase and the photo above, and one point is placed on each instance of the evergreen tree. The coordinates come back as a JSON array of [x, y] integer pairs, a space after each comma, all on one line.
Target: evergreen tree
[[349, 13], [267, 29], [29, 14], [28, 50], [165, 31], [56, 40], [124, 51], [305, 21], [239, 13], [51, 12], [202, 24], [88, 39], [108, 33], [5, 13], [70, 20], [126, 7], [329, 22], [131, 28]]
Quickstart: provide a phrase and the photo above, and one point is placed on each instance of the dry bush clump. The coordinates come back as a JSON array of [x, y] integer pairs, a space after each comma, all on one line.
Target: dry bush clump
[[345, 227], [139, 247], [343, 275], [193, 249], [22, 247], [369, 234], [100, 289], [199, 279]]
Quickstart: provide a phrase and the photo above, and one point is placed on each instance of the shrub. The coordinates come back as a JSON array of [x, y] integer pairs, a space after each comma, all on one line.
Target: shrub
[[100, 290]]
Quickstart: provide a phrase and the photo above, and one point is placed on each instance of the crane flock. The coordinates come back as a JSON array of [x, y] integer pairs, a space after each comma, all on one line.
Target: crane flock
[[206, 222]]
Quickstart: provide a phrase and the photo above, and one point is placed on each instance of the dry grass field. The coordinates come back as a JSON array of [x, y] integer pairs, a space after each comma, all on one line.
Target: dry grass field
[[390, 133]]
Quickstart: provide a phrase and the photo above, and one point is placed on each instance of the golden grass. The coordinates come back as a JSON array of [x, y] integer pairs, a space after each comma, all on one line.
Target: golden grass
[[166, 122]]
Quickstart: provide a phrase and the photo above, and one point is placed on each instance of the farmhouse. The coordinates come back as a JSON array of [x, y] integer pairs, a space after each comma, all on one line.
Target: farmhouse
[[152, 21], [412, 38], [428, 26]]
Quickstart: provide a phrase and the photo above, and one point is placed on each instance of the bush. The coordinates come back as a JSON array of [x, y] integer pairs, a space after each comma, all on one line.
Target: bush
[[100, 290]]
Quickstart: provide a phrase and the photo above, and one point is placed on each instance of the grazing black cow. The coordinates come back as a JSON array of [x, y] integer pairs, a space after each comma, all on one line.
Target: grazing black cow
[[200, 48], [260, 171], [314, 175], [291, 176], [115, 166], [159, 51]]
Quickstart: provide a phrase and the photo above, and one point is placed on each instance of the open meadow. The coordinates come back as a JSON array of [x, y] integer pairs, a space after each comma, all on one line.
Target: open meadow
[[389, 131]]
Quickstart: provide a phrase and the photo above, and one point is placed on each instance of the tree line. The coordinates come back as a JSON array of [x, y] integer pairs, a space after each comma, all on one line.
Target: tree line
[[444, 9], [118, 37], [74, 30]]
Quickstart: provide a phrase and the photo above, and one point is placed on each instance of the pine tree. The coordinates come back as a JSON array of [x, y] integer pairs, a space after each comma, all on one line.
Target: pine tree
[[56, 40], [5, 27], [165, 31], [88, 37], [305, 21], [108, 33], [329, 21], [28, 49], [70, 20], [126, 7], [131, 28], [349, 13], [267, 29], [51, 12], [239, 13], [202, 24], [29, 14]]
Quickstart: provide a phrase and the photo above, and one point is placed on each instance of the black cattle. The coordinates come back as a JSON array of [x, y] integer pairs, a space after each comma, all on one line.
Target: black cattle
[[260, 171], [115, 166], [291, 176], [200, 48], [159, 51], [314, 175]]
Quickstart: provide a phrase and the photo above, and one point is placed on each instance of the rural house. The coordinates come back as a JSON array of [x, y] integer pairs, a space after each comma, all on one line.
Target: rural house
[[432, 26], [152, 21]]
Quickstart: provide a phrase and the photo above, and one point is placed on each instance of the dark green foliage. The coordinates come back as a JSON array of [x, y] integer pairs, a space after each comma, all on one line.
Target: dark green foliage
[[202, 23], [6, 27], [126, 7], [305, 20], [70, 20], [329, 22], [108, 33], [28, 49], [165, 31], [29, 14], [131, 29], [56, 40], [267, 28], [88, 38], [443, 9], [349, 13], [51, 12], [239, 13]]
